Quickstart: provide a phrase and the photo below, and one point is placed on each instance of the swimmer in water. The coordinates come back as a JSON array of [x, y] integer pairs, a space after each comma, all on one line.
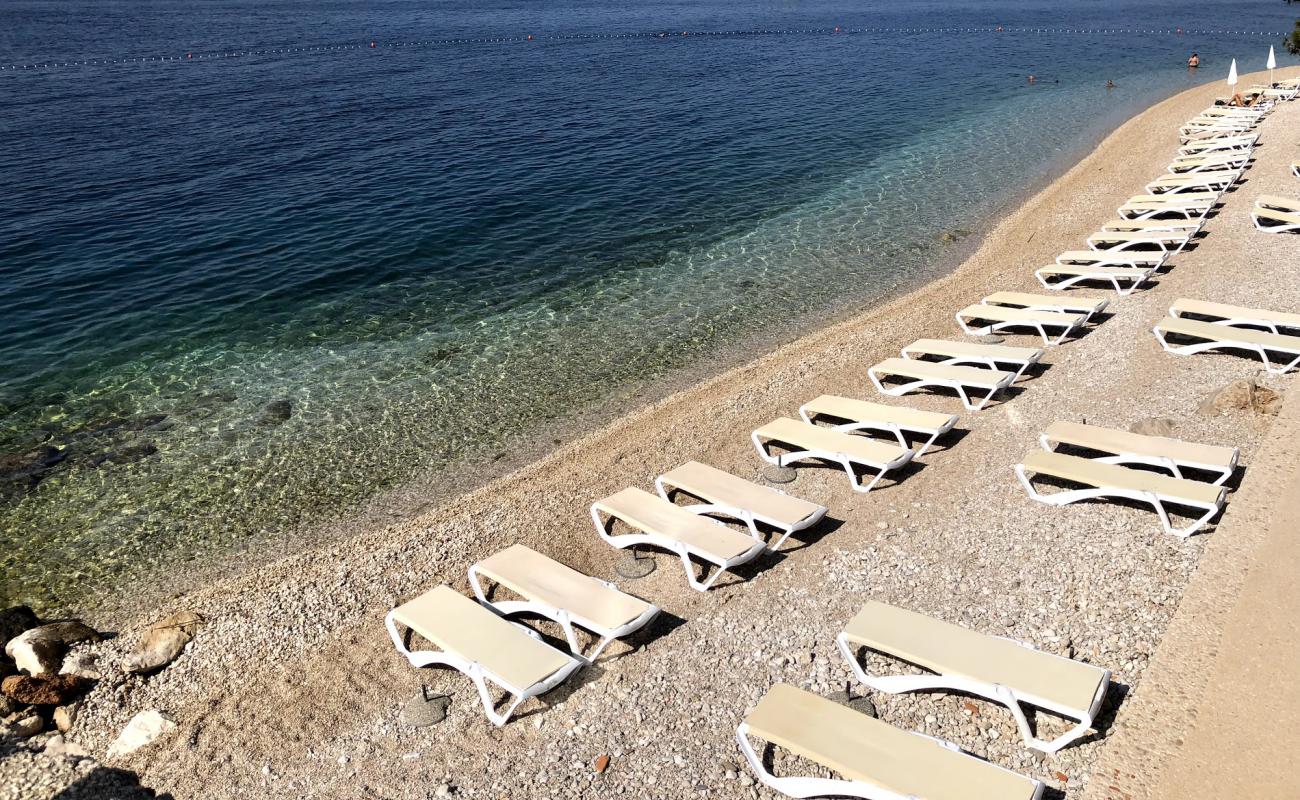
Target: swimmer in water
[[1194, 61]]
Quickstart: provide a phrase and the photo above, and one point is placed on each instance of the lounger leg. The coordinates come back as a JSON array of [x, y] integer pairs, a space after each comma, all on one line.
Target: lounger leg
[[928, 442]]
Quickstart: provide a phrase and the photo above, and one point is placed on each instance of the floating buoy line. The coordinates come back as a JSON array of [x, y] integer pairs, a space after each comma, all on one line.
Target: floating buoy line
[[375, 44]]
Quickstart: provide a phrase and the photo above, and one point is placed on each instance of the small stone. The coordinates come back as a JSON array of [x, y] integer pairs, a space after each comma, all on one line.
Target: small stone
[[41, 690], [58, 746], [745, 780], [143, 729], [602, 764], [774, 474], [862, 705], [1061, 776], [1155, 426], [970, 708], [27, 727], [425, 709], [83, 665], [163, 642], [65, 716], [443, 790], [991, 338]]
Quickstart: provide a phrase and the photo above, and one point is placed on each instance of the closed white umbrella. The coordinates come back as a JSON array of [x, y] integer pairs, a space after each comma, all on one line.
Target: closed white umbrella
[[1232, 77], [1272, 64]]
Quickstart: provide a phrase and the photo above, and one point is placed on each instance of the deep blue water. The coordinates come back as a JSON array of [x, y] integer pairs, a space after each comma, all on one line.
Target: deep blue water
[[242, 294]]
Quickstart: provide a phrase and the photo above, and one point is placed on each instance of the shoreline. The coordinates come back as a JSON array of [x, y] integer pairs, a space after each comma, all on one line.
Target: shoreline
[[292, 689], [425, 492]]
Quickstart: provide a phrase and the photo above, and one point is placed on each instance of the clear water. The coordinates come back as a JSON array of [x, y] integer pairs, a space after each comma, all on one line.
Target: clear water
[[414, 253]]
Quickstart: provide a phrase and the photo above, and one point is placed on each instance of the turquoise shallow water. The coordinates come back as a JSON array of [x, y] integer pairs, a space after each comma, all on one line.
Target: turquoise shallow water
[[244, 295]]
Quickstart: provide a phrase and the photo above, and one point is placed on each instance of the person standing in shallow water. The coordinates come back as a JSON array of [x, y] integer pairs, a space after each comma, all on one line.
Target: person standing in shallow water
[[1194, 61]]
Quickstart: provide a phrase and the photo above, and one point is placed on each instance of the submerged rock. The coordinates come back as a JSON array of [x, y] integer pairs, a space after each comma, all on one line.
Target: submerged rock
[[276, 412], [125, 455], [163, 642], [21, 472], [143, 729]]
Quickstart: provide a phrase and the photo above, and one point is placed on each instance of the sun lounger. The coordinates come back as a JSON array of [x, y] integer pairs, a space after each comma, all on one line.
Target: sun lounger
[[1212, 180], [1237, 316], [988, 356], [1057, 276], [561, 594], [1087, 306], [997, 669], [873, 759], [484, 646], [1244, 142], [926, 373], [1271, 221], [1111, 480], [863, 415], [806, 440], [659, 523], [1231, 161], [1187, 205], [983, 319], [727, 495], [1111, 258], [1124, 447], [1227, 337], [1189, 227], [1111, 241]]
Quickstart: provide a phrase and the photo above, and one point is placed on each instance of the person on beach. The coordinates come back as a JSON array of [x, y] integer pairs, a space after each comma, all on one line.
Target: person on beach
[[1194, 61], [1241, 102]]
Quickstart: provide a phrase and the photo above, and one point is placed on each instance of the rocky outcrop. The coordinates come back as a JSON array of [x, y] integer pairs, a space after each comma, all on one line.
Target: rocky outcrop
[[42, 690], [40, 650]]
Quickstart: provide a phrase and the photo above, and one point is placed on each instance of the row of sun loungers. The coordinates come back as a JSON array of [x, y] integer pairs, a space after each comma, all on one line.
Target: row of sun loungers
[[705, 515]]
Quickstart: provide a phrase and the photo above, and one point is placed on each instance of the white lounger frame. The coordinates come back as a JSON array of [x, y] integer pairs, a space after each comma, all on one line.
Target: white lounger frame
[[843, 459], [480, 675], [1216, 344], [898, 391], [1153, 499], [1173, 465], [1041, 327], [996, 693], [891, 427], [562, 617], [1275, 226], [1099, 274], [750, 518], [683, 550]]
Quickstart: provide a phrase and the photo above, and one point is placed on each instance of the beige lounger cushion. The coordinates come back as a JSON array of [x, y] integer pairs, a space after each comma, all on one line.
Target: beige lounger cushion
[[1093, 256], [806, 436], [536, 577], [1193, 179], [1111, 476], [929, 371], [996, 352], [1027, 300], [1008, 314], [863, 411], [1116, 442], [1204, 308], [949, 649], [1103, 272], [1176, 225], [1279, 216], [1278, 203], [462, 627], [864, 749], [1122, 237], [1181, 199], [1228, 333], [715, 486], [655, 515]]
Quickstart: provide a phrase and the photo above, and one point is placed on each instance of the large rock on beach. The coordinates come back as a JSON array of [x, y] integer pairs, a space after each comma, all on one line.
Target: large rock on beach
[[40, 650], [42, 690], [1243, 395], [164, 641], [143, 729]]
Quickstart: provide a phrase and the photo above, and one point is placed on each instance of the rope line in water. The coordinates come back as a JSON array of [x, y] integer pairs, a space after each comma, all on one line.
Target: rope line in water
[[376, 45]]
